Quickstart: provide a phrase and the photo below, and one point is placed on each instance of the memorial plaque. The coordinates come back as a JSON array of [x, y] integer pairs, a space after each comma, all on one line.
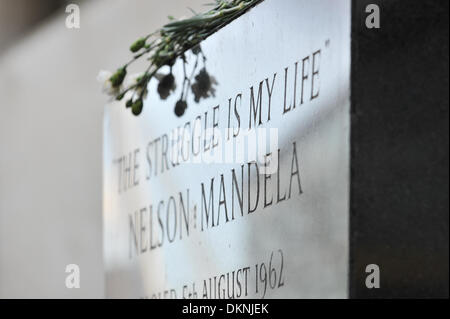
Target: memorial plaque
[[246, 195]]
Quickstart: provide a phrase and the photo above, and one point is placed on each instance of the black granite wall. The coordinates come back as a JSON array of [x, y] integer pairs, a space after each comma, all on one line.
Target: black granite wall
[[399, 216]]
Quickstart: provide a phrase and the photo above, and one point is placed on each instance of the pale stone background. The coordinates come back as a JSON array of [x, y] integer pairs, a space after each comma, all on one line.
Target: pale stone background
[[51, 139]]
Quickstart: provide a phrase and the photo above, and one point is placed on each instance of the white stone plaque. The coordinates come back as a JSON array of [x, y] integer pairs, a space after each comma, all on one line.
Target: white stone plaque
[[195, 210]]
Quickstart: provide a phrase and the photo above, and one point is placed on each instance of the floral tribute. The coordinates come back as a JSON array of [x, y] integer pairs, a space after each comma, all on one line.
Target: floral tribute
[[162, 48]]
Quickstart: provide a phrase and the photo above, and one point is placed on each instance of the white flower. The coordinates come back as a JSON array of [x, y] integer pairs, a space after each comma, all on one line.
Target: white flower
[[103, 77], [132, 79]]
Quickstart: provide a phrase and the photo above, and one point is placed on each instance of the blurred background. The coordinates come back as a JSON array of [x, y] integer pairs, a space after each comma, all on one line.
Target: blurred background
[[51, 110]]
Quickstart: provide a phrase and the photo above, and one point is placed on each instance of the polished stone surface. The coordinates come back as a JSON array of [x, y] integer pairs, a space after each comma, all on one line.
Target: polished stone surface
[[174, 222]]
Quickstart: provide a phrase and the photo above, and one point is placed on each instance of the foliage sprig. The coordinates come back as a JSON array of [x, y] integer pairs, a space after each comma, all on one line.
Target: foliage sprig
[[165, 45]]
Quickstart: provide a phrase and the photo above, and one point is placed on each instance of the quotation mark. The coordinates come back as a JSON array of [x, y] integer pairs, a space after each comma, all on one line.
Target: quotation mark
[[73, 18]]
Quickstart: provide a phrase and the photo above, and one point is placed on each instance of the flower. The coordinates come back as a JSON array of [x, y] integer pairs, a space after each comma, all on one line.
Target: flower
[[103, 75], [203, 86], [162, 48], [132, 78], [166, 85], [107, 87], [180, 107]]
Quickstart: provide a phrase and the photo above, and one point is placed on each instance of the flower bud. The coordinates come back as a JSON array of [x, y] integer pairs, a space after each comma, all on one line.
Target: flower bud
[[137, 45], [129, 103], [136, 108], [120, 96], [117, 78]]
